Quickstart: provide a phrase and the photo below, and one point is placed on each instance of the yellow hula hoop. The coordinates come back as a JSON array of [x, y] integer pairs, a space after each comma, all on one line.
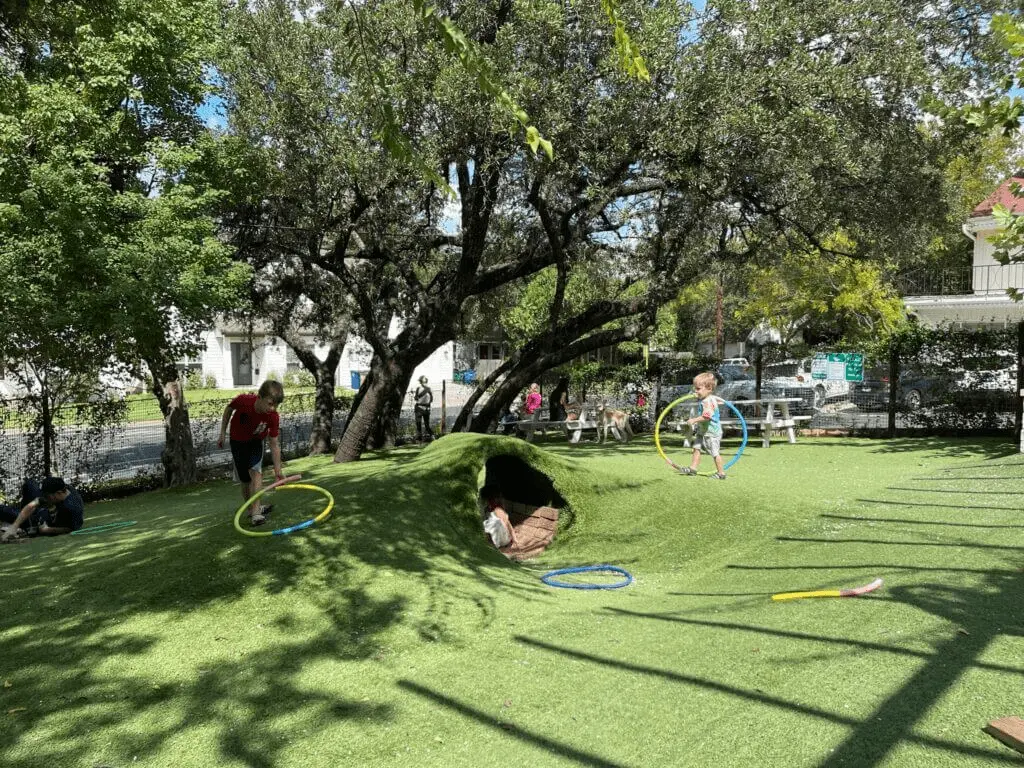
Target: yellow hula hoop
[[657, 427], [291, 528]]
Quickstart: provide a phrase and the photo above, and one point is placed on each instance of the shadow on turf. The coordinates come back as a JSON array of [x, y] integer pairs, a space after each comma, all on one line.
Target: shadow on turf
[[775, 632], [956, 490], [910, 521], [67, 642], [871, 738], [887, 542], [978, 612], [508, 728], [995, 448], [894, 503], [948, 478]]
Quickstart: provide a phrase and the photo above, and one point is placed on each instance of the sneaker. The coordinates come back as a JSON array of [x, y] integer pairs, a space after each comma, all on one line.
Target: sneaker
[[266, 511], [718, 476], [257, 519], [687, 471]]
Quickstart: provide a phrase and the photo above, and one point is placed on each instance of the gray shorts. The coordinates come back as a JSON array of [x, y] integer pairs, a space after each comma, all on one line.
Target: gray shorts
[[712, 444]]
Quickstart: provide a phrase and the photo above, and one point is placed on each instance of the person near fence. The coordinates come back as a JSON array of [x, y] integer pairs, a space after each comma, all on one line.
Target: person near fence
[[49, 508], [253, 417], [707, 426], [559, 399], [423, 398], [509, 417]]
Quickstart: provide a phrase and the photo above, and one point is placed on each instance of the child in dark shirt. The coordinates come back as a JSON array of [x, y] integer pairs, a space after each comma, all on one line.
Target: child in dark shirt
[[50, 508]]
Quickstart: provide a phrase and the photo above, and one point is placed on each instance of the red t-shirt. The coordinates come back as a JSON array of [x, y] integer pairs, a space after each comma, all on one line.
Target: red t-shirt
[[247, 424]]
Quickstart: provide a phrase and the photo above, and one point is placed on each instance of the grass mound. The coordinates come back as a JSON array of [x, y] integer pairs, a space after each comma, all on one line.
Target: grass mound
[[395, 635]]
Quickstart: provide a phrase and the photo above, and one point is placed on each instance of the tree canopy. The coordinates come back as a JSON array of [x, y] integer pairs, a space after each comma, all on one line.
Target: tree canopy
[[105, 226]]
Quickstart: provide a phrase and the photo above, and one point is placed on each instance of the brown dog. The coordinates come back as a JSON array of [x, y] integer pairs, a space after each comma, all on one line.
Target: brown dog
[[609, 418]]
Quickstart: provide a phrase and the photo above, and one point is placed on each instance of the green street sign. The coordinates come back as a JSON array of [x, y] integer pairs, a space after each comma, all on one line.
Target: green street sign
[[838, 366]]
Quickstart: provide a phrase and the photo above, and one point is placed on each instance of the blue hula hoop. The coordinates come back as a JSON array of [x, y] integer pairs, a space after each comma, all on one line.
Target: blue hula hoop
[[743, 443], [551, 581]]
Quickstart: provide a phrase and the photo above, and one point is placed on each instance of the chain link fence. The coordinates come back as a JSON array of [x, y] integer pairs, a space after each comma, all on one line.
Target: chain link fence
[[941, 382], [925, 382], [119, 442]]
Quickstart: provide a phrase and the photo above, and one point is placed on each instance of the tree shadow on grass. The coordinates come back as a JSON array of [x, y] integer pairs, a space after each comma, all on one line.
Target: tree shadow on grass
[[509, 729], [991, 448], [970, 491], [889, 542], [911, 521], [81, 620], [893, 722], [979, 611], [932, 504]]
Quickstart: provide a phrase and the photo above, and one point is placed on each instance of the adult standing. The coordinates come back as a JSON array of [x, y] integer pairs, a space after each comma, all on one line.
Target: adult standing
[[559, 399], [423, 398]]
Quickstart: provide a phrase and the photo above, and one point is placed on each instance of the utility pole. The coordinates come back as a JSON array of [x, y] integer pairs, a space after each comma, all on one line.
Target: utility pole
[[719, 325]]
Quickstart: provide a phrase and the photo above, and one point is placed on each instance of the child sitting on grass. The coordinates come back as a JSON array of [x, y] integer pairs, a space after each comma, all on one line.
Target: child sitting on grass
[[496, 522]]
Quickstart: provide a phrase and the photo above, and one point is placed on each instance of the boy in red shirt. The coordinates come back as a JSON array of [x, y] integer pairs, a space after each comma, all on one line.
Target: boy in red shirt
[[253, 417]]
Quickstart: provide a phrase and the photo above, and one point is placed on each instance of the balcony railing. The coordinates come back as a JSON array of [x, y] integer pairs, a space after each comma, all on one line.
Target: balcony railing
[[980, 281]]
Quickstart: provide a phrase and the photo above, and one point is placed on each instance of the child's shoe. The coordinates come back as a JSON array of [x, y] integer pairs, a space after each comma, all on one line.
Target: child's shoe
[[718, 476], [257, 518], [687, 471], [266, 511]]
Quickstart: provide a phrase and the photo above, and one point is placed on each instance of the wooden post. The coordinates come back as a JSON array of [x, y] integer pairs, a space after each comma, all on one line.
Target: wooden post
[[1009, 730], [758, 370], [1018, 416], [444, 405], [894, 392]]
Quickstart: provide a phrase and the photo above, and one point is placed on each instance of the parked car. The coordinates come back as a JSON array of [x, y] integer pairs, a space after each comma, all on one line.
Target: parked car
[[739, 362], [792, 378], [995, 373], [974, 383], [914, 389], [734, 383]]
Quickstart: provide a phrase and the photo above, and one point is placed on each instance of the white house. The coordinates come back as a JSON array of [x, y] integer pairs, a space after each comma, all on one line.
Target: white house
[[977, 297], [238, 357]]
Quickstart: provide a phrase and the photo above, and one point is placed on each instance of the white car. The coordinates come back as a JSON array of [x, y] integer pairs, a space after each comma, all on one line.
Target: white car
[[739, 362], [792, 378]]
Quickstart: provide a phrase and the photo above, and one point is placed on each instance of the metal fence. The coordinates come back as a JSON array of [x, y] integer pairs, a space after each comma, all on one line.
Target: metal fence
[[950, 382], [121, 442]]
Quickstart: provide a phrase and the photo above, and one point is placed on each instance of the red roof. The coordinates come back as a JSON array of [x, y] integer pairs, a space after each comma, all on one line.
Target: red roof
[[1003, 196]]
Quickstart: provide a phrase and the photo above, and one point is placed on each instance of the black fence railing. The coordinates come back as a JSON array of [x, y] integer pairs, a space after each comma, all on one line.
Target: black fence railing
[[981, 280], [104, 443]]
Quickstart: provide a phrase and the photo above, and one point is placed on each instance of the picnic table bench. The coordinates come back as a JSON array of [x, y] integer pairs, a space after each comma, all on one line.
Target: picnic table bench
[[775, 416], [573, 428]]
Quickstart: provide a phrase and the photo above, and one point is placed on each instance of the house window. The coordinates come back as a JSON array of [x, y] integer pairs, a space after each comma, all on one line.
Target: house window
[[292, 360]]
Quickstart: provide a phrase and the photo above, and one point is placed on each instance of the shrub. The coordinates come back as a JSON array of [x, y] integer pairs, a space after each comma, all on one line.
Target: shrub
[[299, 378]]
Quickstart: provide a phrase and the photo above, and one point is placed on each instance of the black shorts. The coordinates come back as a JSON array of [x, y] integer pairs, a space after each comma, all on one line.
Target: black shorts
[[246, 455]]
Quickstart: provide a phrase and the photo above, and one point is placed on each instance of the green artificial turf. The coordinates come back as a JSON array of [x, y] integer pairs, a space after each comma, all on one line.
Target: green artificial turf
[[393, 635]]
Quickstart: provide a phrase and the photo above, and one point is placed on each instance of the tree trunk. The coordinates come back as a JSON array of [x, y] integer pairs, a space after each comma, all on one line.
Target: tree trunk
[[323, 415], [373, 420], [179, 453], [532, 364], [49, 441], [514, 383], [324, 372], [552, 349], [462, 421]]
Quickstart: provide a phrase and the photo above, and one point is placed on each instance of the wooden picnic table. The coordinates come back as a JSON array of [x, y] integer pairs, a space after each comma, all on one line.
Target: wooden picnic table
[[775, 416], [572, 427]]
